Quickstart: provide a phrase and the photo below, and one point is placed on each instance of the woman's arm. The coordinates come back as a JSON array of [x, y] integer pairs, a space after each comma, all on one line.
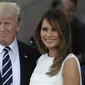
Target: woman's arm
[[71, 75]]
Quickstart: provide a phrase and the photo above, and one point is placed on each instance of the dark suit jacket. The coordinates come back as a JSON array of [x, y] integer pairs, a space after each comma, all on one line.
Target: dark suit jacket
[[28, 57], [78, 39], [78, 33], [83, 74]]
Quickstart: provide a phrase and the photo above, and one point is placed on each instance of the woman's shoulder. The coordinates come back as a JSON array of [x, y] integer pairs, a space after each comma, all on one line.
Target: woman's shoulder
[[71, 61], [70, 56], [71, 69]]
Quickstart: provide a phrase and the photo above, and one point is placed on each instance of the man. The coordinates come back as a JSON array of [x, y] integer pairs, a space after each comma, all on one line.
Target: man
[[67, 6], [77, 28], [22, 58]]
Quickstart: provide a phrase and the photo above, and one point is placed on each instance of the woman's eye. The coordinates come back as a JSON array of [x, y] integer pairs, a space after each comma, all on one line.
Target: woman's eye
[[44, 28], [53, 29]]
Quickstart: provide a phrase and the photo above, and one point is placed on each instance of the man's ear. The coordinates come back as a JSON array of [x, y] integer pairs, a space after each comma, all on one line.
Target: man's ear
[[18, 28], [18, 23], [19, 20]]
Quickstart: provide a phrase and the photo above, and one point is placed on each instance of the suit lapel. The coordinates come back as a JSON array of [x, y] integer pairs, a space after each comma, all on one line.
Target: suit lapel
[[22, 61], [27, 62]]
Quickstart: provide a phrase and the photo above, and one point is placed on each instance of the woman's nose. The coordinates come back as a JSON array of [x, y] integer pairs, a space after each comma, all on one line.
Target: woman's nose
[[49, 33]]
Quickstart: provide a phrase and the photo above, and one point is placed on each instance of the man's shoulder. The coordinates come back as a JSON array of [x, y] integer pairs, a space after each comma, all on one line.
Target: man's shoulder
[[24, 45], [26, 48], [76, 23]]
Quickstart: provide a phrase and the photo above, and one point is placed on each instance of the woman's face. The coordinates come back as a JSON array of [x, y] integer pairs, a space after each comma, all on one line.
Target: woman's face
[[49, 35]]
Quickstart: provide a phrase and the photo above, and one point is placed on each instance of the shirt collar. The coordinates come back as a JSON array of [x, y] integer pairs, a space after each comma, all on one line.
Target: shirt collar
[[1, 48], [13, 46]]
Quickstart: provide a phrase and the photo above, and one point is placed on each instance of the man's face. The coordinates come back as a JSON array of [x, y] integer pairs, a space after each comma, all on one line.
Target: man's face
[[68, 8], [68, 5], [8, 30]]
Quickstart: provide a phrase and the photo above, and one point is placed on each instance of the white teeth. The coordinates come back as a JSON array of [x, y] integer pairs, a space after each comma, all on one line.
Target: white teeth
[[49, 40]]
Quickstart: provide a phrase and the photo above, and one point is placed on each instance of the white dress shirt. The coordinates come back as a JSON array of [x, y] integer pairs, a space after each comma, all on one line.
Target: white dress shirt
[[14, 55]]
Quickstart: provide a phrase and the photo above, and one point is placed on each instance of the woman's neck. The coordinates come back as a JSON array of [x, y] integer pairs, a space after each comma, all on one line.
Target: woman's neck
[[52, 53]]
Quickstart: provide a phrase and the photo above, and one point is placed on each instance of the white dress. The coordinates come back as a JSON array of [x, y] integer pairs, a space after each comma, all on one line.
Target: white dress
[[39, 76]]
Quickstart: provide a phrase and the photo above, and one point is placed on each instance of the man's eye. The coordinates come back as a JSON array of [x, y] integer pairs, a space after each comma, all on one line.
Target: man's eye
[[6, 23]]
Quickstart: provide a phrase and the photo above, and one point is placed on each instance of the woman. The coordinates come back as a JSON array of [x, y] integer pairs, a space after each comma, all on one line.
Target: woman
[[57, 65]]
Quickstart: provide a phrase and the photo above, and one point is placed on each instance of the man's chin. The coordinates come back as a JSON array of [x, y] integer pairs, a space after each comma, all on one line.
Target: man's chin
[[2, 42]]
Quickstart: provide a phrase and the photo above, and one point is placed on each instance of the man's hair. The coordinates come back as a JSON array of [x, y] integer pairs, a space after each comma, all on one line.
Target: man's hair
[[56, 3], [9, 9]]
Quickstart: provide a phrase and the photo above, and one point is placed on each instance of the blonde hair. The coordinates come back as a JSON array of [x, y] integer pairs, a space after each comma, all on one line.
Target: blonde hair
[[9, 9]]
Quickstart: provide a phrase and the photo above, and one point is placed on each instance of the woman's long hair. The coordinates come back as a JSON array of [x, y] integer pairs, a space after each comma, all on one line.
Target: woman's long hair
[[55, 18]]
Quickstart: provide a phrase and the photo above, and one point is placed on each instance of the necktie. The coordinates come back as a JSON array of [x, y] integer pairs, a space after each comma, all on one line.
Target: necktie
[[7, 77]]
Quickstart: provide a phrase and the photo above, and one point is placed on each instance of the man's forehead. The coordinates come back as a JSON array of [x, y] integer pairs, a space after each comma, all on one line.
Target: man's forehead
[[7, 18], [67, 2]]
